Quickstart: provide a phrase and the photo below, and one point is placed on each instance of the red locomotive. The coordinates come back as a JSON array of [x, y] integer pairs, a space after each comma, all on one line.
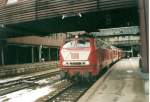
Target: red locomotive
[[84, 57]]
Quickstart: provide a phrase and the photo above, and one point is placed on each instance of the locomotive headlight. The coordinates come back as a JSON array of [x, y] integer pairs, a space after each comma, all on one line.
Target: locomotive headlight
[[65, 63], [87, 62]]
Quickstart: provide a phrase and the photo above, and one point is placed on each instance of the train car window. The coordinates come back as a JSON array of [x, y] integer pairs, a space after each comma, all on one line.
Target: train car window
[[97, 43]]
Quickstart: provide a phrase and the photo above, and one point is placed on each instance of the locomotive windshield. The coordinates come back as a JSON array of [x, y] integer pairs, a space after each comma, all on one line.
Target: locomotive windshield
[[77, 43]]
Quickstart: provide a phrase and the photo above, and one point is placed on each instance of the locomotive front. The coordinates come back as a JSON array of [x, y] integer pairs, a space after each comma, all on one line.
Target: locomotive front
[[76, 58]]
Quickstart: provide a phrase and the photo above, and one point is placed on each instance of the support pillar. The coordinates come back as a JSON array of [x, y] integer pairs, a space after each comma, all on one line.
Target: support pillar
[[17, 56], [57, 53], [32, 54], [49, 54], [144, 34], [143, 10], [40, 53], [132, 51], [2, 55]]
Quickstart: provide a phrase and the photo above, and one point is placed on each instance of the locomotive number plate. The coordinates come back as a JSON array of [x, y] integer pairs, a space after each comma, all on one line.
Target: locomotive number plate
[[75, 55]]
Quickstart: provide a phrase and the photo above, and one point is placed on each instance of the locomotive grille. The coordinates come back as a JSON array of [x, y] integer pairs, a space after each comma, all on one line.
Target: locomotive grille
[[75, 63]]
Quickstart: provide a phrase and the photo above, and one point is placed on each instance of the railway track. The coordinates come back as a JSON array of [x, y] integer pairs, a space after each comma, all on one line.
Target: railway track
[[27, 82], [70, 94], [19, 69], [29, 78], [66, 92]]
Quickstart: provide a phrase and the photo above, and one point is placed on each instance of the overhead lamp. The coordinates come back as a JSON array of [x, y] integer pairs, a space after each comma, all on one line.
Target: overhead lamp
[[71, 15], [2, 25], [80, 14], [63, 16]]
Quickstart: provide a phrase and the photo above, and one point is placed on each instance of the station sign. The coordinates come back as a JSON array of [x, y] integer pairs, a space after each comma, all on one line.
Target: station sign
[[118, 31]]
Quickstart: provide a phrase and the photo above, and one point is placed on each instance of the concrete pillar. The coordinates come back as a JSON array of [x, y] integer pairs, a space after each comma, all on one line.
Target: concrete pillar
[[17, 57], [143, 14], [57, 51], [32, 54], [49, 54], [132, 51], [2, 56], [144, 34], [40, 53]]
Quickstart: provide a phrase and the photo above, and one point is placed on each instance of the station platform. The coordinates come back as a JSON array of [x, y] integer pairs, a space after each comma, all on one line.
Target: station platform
[[122, 83]]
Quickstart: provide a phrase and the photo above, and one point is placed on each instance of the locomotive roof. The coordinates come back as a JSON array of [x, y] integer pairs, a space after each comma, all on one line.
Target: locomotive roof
[[86, 36], [102, 43], [82, 36]]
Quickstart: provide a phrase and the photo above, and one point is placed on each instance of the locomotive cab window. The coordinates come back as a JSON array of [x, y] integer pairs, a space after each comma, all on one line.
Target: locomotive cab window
[[11, 2], [83, 43], [78, 43]]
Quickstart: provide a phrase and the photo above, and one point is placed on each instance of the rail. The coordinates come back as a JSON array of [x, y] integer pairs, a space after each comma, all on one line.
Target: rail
[[13, 70]]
